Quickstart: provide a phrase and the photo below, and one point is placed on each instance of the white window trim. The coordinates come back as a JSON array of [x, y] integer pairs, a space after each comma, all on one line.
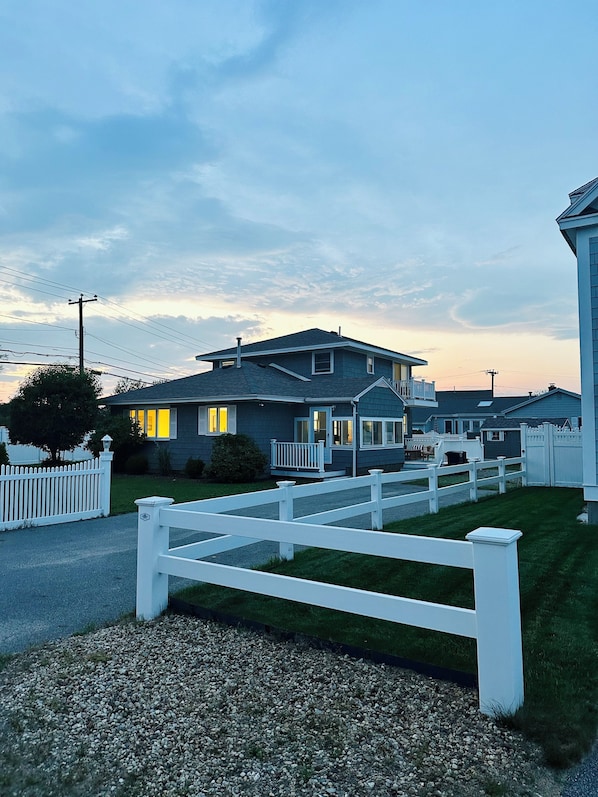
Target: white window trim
[[313, 362], [382, 421], [369, 360], [202, 419]]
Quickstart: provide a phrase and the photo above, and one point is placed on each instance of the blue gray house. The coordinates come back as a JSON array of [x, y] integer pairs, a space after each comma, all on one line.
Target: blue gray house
[[317, 403], [579, 226]]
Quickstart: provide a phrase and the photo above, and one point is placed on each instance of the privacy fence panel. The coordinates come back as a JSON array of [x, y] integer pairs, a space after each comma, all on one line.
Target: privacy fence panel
[[553, 456]]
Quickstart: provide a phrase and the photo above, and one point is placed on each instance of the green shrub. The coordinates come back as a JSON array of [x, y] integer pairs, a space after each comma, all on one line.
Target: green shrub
[[4, 455], [136, 465], [236, 458], [127, 438], [164, 461], [194, 468]]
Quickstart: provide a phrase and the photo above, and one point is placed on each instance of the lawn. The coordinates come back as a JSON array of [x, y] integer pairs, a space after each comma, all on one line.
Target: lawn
[[558, 559], [125, 489]]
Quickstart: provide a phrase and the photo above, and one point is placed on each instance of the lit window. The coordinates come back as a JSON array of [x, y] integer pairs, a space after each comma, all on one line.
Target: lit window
[[217, 420], [342, 432], [322, 362], [381, 432], [154, 423]]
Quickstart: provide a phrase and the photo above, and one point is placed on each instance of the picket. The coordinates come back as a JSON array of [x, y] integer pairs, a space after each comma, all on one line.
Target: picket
[[44, 496]]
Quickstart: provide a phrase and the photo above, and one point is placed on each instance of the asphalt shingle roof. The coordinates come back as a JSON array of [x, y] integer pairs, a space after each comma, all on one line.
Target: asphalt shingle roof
[[301, 341], [248, 381]]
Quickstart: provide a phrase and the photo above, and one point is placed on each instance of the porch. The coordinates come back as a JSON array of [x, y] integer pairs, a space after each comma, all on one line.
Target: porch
[[300, 459], [438, 449]]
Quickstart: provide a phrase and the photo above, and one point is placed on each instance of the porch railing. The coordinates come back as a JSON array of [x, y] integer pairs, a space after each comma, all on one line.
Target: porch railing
[[297, 456], [411, 389]]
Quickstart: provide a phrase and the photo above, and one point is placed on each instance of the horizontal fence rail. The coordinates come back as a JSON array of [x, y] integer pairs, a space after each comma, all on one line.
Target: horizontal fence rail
[[44, 496], [495, 622]]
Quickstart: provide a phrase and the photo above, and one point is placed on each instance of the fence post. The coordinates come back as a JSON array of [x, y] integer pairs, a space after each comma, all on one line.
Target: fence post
[[376, 496], [502, 476], [152, 540], [106, 475], [433, 487], [286, 550], [473, 487], [273, 457], [498, 617]]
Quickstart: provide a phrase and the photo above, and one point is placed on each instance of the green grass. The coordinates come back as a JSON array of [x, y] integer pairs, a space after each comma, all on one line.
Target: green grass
[[558, 560], [125, 489]]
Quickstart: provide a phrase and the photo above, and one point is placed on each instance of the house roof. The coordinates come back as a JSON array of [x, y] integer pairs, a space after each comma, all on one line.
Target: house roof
[[307, 340], [582, 211], [502, 422], [465, 403], [540, 397], [250, 382]]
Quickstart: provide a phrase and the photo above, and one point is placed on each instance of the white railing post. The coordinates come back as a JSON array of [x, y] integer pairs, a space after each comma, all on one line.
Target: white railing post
[[473, 486], [376, 496], [498, 617], [106, 475], [433, 488], [320, 456], [273, 460], [152, 541], [286, 550], [502, 476]]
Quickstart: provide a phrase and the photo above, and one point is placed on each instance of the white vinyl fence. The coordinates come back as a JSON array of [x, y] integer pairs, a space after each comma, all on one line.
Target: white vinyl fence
[[495, 623], [31, 455], [553, 456], [44, 496]]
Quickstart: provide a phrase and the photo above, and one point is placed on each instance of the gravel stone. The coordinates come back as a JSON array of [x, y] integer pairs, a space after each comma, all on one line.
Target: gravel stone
[[181, 707]]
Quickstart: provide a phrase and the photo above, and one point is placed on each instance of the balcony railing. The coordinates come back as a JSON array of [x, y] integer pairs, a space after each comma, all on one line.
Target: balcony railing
[[416, 390]]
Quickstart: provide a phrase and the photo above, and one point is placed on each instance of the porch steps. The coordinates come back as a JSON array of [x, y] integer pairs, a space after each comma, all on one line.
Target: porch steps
[[307, 474]]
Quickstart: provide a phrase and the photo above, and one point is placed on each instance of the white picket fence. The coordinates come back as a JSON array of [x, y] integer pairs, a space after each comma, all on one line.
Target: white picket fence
[[495, 623], [553, 456], [45, 496]]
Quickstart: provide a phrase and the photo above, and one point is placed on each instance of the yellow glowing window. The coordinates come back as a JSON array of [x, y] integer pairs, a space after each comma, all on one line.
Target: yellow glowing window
[[155, 424], [217, 420]]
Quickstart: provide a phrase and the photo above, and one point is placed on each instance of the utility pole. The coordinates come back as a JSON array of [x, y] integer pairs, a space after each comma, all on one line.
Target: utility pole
[[81, 301], [492, 373]]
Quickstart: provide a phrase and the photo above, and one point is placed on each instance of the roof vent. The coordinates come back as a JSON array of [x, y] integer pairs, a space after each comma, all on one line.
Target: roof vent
[[239, 352]]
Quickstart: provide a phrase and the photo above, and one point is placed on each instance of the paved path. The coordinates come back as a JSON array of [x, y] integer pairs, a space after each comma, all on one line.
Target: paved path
[[57, 580]]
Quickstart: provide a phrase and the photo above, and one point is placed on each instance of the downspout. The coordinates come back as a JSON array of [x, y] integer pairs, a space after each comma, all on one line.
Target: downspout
[[354, 405]]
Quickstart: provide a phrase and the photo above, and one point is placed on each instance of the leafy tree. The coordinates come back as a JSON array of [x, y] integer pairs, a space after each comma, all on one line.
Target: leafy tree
[[54, 409], [127, 437], [236, 458]]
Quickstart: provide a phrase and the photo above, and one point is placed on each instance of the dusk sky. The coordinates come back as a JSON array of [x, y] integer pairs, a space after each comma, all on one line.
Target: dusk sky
[[221, 168]]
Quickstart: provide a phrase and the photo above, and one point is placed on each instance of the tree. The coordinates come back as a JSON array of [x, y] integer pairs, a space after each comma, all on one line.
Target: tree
[[54, 409], [125, 384], [127, 437]]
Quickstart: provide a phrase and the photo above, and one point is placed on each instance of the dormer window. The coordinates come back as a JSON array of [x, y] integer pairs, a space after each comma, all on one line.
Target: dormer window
[[322, 362]]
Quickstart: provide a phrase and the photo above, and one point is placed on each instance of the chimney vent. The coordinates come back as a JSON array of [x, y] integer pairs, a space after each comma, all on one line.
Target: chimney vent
[[238, 352]]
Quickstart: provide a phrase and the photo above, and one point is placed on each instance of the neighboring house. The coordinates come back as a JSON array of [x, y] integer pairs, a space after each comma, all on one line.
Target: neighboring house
[[461, 411], [502, 435], [579, 226], [313, 401], [497, 419]]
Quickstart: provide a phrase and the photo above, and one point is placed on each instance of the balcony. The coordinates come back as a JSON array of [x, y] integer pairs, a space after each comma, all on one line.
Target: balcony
[[417, 392]]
